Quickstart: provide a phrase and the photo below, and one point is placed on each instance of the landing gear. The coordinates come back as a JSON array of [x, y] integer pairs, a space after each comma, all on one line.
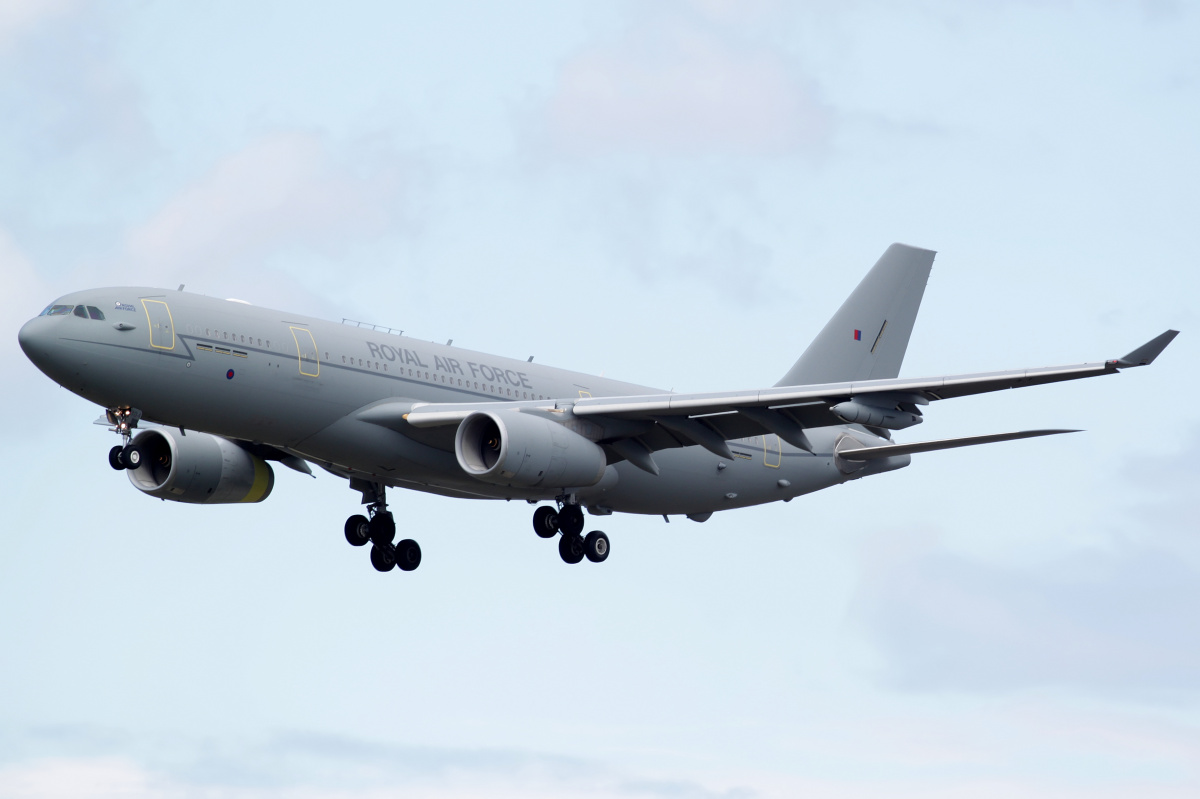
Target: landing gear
[[125, 456], [379, 529], [573, 547]]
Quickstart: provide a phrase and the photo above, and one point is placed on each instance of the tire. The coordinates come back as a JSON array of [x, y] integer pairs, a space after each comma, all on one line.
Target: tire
[[408, 555], [358, 530], [383, 528], [545, 522], [596, 546], [132, 456], [570, 548], [570, 520], [383, 558], [114, 458]]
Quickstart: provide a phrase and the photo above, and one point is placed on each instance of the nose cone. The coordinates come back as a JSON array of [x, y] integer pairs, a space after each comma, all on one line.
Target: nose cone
[[36, 339]]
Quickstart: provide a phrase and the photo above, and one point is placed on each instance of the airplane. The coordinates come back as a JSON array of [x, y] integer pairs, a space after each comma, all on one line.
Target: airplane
[[229, 388]]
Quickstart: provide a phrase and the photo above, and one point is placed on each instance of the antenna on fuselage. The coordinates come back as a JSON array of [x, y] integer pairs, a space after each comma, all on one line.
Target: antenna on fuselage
[[181, 287]]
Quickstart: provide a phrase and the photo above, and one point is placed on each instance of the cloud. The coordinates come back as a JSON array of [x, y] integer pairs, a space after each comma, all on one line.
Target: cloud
[[18, 17], [317, 766], [678, 85], [1119, 621], [282, 190]]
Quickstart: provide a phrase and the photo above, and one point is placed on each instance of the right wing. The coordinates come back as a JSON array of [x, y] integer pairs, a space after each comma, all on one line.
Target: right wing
[[632, 427]]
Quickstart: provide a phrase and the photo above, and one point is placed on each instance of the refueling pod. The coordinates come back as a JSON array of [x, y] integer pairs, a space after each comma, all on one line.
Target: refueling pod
[[198, 468], [880, 411], [521, 449]]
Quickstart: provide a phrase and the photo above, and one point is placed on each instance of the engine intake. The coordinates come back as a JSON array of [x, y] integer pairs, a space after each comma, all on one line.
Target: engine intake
[[199, 468], [520, 449]]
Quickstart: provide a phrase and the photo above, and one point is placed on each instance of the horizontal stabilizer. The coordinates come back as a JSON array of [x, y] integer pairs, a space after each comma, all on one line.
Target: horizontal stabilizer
[[888, 450], [1145, 354]]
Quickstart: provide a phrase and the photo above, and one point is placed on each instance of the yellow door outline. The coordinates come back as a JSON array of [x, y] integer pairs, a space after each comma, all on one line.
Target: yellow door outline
[[772, 453], [162, 328], [306, 351]]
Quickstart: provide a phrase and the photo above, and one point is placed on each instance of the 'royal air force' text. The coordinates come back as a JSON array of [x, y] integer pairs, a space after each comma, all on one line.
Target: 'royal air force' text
[[479, 371]]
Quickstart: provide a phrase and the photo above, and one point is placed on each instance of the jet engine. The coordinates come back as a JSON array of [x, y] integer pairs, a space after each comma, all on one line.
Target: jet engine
[[198, 468], [520, 449]]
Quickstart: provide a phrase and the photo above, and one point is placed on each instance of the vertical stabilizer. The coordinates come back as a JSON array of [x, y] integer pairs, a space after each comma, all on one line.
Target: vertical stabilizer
[[867, 337]]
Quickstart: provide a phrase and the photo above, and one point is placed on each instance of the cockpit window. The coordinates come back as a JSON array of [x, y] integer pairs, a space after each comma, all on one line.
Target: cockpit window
[[95, 312], [58, 310], [81, 312]]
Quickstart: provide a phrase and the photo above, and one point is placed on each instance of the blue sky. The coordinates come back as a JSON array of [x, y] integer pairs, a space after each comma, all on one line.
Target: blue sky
[[676, 194]]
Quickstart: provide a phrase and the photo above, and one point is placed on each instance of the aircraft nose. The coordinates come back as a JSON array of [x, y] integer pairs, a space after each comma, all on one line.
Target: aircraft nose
[[35, 339]]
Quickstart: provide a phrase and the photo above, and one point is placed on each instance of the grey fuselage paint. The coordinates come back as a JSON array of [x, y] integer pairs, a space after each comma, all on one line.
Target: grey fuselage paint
[[258, 375]]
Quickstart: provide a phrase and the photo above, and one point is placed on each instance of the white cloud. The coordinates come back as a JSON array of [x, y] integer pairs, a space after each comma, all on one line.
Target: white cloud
[[281, 190], [679, 86], [18, 17]]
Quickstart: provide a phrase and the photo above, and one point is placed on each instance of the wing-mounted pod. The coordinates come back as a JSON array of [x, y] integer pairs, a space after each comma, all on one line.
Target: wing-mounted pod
[[890, 410], [512, 448], [198, 468]]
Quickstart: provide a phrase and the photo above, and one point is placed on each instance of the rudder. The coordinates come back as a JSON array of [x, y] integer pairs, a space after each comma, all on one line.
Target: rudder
[[867, 338]]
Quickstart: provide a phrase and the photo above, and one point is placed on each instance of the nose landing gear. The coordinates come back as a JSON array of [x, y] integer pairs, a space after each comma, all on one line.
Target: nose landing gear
[[126, 455], [568, 521]]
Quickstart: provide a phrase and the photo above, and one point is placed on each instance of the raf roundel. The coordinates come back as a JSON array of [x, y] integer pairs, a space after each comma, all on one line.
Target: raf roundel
[[229, 375]]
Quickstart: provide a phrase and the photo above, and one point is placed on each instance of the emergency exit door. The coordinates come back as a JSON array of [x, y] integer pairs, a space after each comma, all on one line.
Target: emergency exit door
[[162, 326], [306, 351]]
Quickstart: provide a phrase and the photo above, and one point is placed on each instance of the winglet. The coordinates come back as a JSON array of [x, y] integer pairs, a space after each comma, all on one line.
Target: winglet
[[1145, 354]]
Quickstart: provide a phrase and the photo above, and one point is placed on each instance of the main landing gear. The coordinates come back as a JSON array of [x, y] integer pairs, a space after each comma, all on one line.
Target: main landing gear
[[567, 521], [378, 529], [125, 455]]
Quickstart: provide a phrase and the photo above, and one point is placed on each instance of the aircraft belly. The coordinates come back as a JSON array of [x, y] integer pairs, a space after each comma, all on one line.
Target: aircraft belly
[[690, 482]]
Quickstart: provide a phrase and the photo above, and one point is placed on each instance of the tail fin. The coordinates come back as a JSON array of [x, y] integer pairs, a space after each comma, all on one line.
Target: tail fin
[[867, 337]]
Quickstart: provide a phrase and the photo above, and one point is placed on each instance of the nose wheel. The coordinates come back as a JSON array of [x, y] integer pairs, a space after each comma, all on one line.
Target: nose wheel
[[568, 522], [125, 455]]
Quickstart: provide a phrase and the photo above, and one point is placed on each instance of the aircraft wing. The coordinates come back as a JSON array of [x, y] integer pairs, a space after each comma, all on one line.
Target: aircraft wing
[[935, 388], [635, 425]]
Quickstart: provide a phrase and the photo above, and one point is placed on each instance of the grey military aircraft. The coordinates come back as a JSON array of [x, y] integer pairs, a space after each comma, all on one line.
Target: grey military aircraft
[[229, 387]]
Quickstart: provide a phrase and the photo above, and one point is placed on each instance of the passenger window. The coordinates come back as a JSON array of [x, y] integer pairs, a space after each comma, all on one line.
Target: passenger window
[[80, 312], [95, 313], [385, 367]]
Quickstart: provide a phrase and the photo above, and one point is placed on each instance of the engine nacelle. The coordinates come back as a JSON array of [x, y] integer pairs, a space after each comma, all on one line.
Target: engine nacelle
[[520, 449], [199, 468], [890, 418]]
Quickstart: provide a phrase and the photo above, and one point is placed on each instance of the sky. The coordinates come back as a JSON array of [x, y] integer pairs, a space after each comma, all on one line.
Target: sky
[[676, 194]]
